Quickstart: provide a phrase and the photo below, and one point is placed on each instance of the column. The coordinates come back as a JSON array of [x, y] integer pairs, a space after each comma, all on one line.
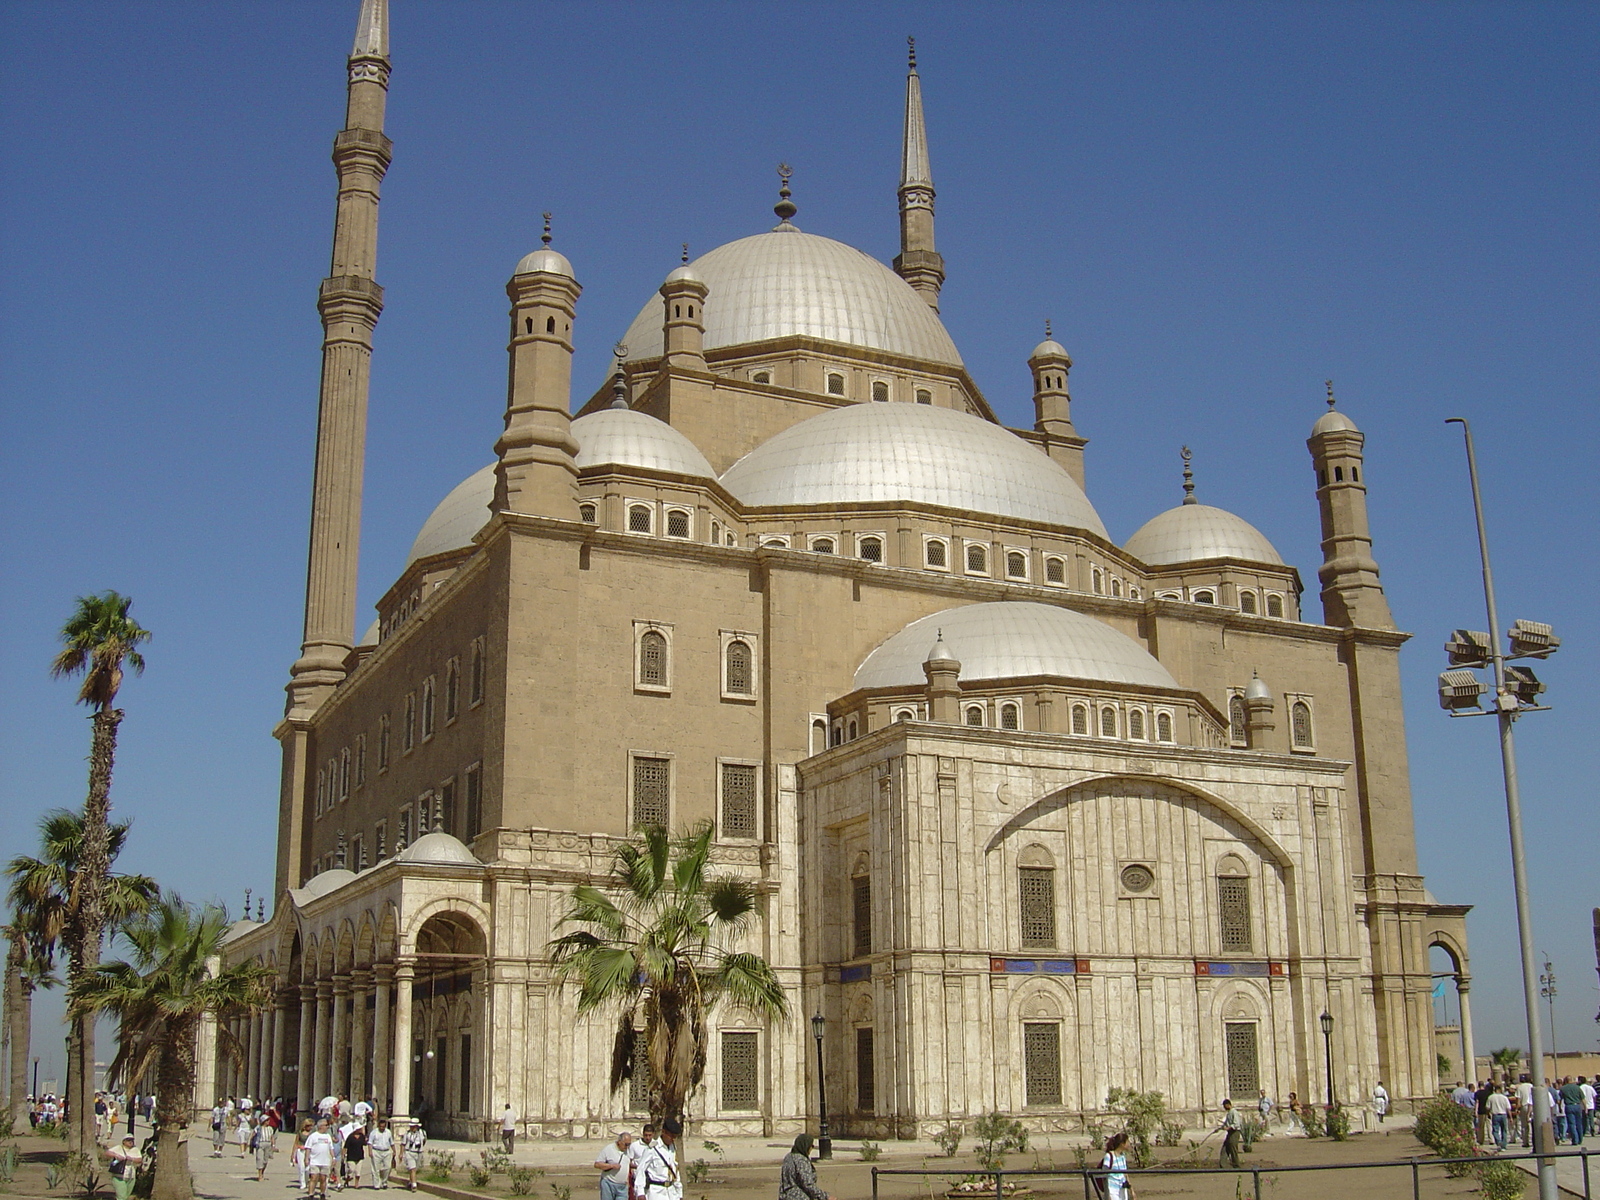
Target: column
[[205, 1068], [1468, 1051], [320, 1075], [360, 989], [384, 976], [404, 973], [280, 1033], [305, 1063], [252, 1054], [339, 1064]]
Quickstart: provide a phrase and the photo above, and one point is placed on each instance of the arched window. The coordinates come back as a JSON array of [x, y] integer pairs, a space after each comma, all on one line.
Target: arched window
[[1275, 606], [1355, 474], [739, 674], [527, 325], [691, 312], [975, 715], [934, 554], [1116, 587], [1238, 726], [1205, 597], [1136, 724], [761, 377], [1134, 593], [1163, 727], [977, 558], [905, 714], [716, 533], [1099, 582], [588, 513], [852, 729], [1055, 570], [639, 518], [1016, 564], [549, 324], [871, 549], [1247, 602], [1322, 477], [775, 543], [880, 391], [1233, 906], [838, 733], [1338, 474], [1080, 720], [819, 736], [1010, 716], [835, 384], [677, 523], [730, 539], [1300, 725], [924, 396], [653, 659], [1036, 887], [861, 910], [1108, 722], [822, 545]]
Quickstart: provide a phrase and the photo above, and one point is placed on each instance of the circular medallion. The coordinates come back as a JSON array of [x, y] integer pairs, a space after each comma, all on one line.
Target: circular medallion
[[1137, 878]]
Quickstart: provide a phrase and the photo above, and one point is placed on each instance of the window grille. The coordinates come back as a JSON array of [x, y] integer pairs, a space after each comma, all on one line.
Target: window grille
[[361, 759], [935, 554], [975, 716], [1275, 606], [924, 396], [1163, 727], [1041, 1062], [474, 789], [822, 546], [1233, 905], [1055, 570], [475, 687], [835, 385], [427, 707], [1016, 565], [1038, 889], [1108, 722], [866, 1092], [861, 912], [871, 549], [1247, 602], [383, 742], [977, 558], [1080, 720], [1244, 1067], [1116, 587], [739, 674], [652, 784], [1009, 718], [738, 800], [653, 659], [452, 690], [740, 1090], [880, 392], [639, 1080], [1136, 724], [1205, 597], [408, 729], [677, 523], [1300, 721], [588, 513], [322, 792], [1238, 730], [761, 377], [1099, 582], [344, 774], [639, 519]]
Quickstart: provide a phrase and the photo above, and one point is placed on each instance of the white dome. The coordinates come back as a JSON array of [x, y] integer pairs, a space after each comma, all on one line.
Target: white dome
[[1010, 640], [911, 452], [622, 437], [438, 848], [458, 516], [1331, 421], [1049, 348], [323, 883], [1191, 532], [787, 283], [550, 261]]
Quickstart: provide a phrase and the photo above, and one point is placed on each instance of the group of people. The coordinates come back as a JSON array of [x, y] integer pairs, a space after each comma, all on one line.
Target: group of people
[[642, 1168], [1498, 1108], [346, 1145]]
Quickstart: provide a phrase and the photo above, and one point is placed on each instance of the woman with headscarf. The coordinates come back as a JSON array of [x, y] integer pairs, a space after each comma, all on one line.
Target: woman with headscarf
[[797, 1180]]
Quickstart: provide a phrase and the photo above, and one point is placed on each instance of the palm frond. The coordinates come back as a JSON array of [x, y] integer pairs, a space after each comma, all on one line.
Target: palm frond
[[748, 980], [731, 901]]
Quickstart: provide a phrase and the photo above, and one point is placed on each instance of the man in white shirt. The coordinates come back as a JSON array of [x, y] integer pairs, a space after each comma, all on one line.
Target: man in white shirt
[[413, 1141], [380, 1149], [1380, 1101], [508, 1130], [613, 1163], [660, 1163], [319, 1160], [636, 1153], [1498, 1105], [1525, 1112], [363, 1110], [219, 1129], [1588, 1090]]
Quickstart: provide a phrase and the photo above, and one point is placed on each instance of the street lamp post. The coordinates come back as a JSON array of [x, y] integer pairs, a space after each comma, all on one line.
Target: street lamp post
[[824, 1142], [1515, 690], [1547, 989], [1327, 1050]]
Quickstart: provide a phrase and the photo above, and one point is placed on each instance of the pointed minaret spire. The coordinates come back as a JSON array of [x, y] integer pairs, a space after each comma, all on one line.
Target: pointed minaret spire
[[1188, 478], [918, 263], [372, 30]]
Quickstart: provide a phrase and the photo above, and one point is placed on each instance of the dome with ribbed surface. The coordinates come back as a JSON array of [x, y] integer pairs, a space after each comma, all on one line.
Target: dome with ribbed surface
[[787, 283], [439, 847], [914, 453], [1013, 640], [452, 524], [1192, 532], [623, 437]]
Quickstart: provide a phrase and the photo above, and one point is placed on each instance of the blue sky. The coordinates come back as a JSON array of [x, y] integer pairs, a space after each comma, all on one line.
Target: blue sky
[[1219, 206]]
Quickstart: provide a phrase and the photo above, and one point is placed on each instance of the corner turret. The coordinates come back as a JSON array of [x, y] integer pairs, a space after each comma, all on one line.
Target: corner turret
[[1052, 404], [1352, 596]]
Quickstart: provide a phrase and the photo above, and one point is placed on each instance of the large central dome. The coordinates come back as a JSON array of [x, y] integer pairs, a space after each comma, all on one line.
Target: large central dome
[[786, 283]]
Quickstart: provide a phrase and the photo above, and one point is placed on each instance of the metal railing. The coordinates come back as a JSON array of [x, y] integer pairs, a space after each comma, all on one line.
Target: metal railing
[[1090, 1174]]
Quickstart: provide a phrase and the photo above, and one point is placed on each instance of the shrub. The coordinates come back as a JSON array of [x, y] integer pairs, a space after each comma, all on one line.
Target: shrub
[[697, 1171], [1311, 1121], [1337, 1124], [52, 1176], [496, 1162], [1142, 1113], [1171, 1134], [996, 1135], [871, 1151], [1502, 1180], [949, 1139], [478, 1176], [1444, 1127], [440, 1164], [561, 1191], [8, 1124], [522, 1179]]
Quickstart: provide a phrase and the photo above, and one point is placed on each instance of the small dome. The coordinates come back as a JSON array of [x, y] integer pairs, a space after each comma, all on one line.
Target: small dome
[[1049, 348], [1333, 421], [546, 260], [1192, 532], [325, 882], [239, 928], [1257, 690], [1011, 639], [460, 515], [684, 274], [785, 282], [940, 652], [438, 848], [918, 453], [625, 438], [373, 633]]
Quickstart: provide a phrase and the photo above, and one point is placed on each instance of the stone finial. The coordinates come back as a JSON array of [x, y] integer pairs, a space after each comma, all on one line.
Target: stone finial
[[247, 892], [1329, 383], [1188, 478], [685, 259], [619, 382], [545, 236], [261, 910], [342, 856], [785, 207]]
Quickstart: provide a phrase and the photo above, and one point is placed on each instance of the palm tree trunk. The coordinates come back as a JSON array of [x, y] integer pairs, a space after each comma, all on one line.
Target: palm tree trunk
[[174, 1107], [19, 1027], [12, 1000], [94, 866]]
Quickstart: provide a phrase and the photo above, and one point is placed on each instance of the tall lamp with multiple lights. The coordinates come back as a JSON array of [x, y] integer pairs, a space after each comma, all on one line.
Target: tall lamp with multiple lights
[[819, 1025], [1516, 691]]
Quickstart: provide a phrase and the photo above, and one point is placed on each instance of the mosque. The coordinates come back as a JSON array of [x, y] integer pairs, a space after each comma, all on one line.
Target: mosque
[[1032, 815]]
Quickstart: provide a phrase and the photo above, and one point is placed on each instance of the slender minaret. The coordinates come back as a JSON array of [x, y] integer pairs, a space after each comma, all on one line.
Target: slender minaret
[[349, 301], [918, 263], [1351, 594]]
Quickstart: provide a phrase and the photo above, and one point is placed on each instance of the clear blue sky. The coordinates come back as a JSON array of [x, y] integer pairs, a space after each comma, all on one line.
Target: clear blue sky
[[1219, 205]]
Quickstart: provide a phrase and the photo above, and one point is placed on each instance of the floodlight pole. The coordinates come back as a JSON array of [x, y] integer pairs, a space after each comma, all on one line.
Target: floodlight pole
[[1505, 711]]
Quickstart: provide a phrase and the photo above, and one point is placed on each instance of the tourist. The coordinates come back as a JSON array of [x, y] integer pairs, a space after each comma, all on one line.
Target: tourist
[[319, 1159], [660, 1163], [219, 1132], [614, 1164], [102, 1114], [1525, 1112], [412, 1142], [1293, 1111], [261, 1143], [1380, 1101], [797, 1178], [380, 1153], [363, 1109], [1480, 1100], [1499, 1107], [508, 1130], [1229, 1156], [241, 1129], [355, 1152], [636, 1153], [1572, 1097], [1588, 1091], [1114, 1184], [1264, 1107], [1463, 1096], [125, 1159], [297, 1156]]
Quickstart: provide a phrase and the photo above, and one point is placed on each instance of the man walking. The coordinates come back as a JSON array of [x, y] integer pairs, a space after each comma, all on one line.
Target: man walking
[[636, 1153], [661, 1180], [1525, 1112], [1572, 1097], [412, 1142], [1499, 1107], [1380, 1101], [380, 1150], [508, 1130], [613, 1163], [1229, 1157]]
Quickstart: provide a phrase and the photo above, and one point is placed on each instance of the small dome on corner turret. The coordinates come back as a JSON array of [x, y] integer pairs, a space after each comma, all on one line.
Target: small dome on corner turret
[[1333, 421], [684, 274], [1257, 690], [545, 261], [1049, 348]]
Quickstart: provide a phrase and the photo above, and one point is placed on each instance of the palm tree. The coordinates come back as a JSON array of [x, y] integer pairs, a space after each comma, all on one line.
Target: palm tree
[[97, 641], [655, 946], [27, 970], [1506, 1059], [43, 893], [159, 999]]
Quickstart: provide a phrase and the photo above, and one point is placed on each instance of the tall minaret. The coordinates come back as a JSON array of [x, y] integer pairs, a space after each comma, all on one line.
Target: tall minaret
[[918, 263], [349, 302], [1351, 594]]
